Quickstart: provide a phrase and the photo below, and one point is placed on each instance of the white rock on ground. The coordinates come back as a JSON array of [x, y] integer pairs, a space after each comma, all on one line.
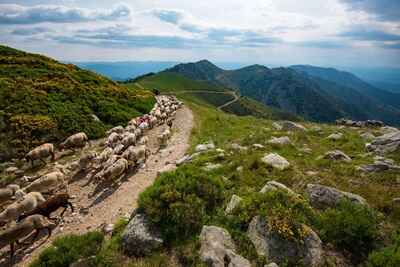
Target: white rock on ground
[[217, 248], [278, 249], [235, 146], [138, 239], [337, 155], [276, 161], [335, 136], [367, 136], [204, 147], [233, 203], [292, 126], [281, 141], [211, 166], [327, 197], [386, 143], [274, 185]]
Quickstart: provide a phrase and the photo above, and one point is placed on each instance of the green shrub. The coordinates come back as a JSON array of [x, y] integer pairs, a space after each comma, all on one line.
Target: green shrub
[[350, 226], [286, 213], [68, 249], [388, 257], [180, 202]]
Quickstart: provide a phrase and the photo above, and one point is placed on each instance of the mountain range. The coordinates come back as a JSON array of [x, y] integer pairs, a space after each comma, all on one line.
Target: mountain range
[[317, 94]]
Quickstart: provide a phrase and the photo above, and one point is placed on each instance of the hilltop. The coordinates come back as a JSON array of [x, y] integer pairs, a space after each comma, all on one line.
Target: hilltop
[[301, 91], [43, 100]]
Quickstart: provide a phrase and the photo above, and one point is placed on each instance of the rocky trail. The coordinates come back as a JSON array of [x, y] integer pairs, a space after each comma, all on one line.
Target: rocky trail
[[98, 205]]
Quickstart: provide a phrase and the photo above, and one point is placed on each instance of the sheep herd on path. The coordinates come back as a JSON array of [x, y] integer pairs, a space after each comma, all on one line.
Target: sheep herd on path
[[27, 207]]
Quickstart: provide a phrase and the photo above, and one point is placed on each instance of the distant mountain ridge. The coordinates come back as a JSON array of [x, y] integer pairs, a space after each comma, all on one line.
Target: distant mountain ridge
[[316, 94]]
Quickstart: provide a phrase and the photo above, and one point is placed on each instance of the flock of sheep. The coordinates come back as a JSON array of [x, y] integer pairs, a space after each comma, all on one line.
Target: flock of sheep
[[24, 209]]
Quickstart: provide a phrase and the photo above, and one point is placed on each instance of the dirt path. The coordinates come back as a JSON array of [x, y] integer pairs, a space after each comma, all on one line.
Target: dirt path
[[96, 207]]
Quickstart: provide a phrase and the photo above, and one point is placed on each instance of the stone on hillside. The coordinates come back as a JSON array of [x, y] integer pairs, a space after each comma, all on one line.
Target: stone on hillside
[[336, 155], [277, 126], [280, 141], [276, 161], [258, 146], [327, 197], [95, 118], [204, 147], [217, 248], [272, 264], [233, 203], [275, 247], [388, 129], [274, 185], [367, 136], [183, 160], [380, 164], [335, 136], [292, 126], [139, 239], [386, 143], [11, 170], [239, 147], [211, 166]]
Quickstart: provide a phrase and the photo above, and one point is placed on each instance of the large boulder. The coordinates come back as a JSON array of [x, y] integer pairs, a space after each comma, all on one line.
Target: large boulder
[[386, 143], [276, 161], [279, 249], [336, 155], [139, 239], [217, 248], [326, 197]]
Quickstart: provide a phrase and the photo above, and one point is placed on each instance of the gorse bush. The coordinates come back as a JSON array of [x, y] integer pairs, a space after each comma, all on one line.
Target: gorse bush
[[350, 226], [68, 249], [388, 257], [180, 202], [286, 213], [62, 97]]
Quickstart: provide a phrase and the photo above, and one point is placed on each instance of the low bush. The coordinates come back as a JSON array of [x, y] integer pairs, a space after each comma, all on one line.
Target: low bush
[[350, 226], [68, 249], [180, 202], [388, 257]]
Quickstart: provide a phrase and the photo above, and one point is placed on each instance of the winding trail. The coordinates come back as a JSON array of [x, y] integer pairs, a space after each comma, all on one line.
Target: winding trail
[[98, 206]]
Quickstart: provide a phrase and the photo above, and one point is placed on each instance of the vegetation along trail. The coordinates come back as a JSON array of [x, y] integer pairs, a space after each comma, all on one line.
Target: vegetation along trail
[[93, 210]]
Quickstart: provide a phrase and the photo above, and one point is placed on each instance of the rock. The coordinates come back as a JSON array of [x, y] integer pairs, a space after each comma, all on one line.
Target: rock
[[233, 203], [327, 197], [239, 147], [292, 126], [258, 146], [380, 164], [316, 129], [277, 126], [107, 228], [311, 173], [276, 248], [95, 118], [388, 129], [272, 264], [239, 169], [280, 141], [336, 155], [219, 150], [138, 239], [306, 150], [211, 166], [204, 147], [386, 143], [276, 161], [217, 249], [273, 185], [335, 136], [183, 160], [367, 136]]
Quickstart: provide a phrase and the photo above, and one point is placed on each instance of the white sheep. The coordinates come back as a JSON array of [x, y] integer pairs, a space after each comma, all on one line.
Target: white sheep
[[47, 182], [118, 149], [87, 161], [117, 129], [104, 155], [116, 170], [164, 136], [9, 192], [129, 140], [78, 140], [113, 139], [144, 140], [29, 202], [41, 152]]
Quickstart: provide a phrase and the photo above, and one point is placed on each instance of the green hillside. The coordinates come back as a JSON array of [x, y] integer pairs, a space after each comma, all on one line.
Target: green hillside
[[210, 94], [43, 100]]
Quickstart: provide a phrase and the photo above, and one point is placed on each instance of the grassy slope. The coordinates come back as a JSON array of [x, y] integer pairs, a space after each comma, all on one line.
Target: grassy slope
[[172, 82], [43, 100], [224, 129]]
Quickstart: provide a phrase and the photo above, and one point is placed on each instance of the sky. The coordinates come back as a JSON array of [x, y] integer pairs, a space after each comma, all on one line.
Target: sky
[[347, 33]]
